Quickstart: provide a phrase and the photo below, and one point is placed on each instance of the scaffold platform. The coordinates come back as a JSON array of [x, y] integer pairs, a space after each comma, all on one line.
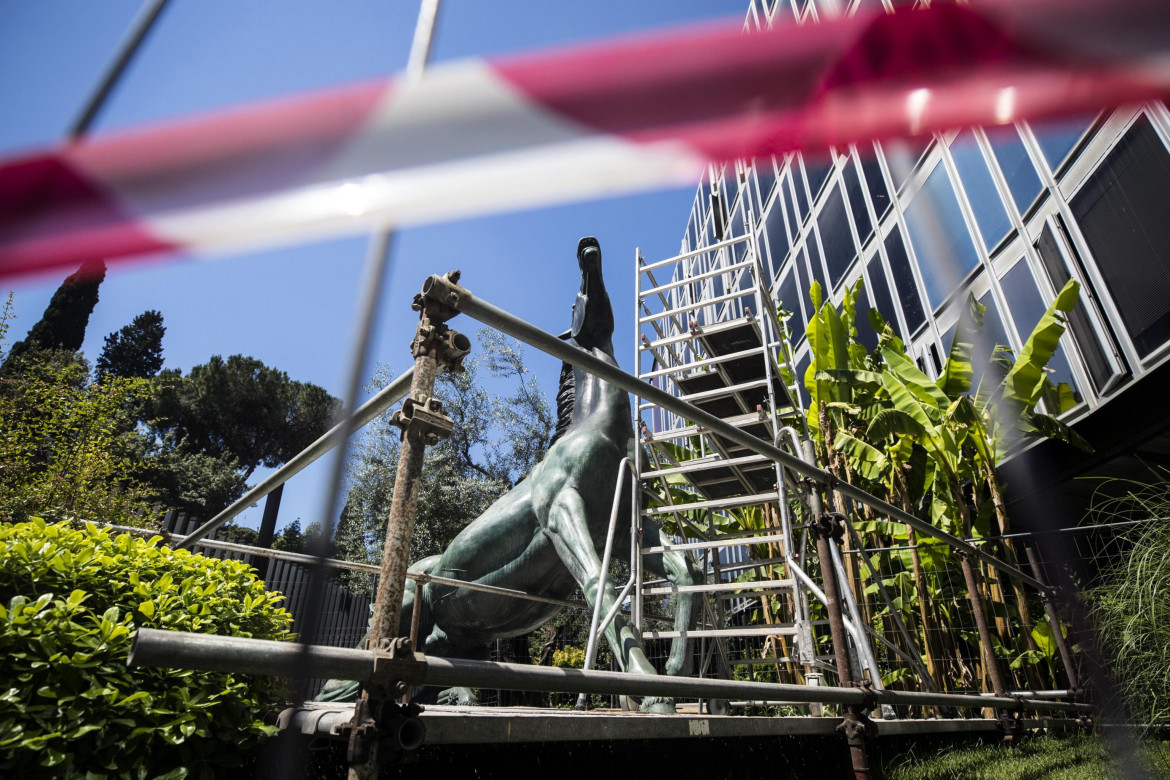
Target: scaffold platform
[[463, 725]]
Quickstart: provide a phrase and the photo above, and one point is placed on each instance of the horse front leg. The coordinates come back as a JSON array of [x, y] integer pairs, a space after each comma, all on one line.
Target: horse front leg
[[676, 567], [568, 528]]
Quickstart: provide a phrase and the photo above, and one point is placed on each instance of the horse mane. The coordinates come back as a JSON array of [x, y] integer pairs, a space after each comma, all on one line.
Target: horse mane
[[566, 402]]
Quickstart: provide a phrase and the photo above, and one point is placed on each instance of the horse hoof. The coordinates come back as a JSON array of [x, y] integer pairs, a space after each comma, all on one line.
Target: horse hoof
[[461, 697], [658, 704]]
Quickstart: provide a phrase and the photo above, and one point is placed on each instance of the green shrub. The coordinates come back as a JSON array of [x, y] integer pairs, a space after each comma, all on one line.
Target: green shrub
[[70, 601]]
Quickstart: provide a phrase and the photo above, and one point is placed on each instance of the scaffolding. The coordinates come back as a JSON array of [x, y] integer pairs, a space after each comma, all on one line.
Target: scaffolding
[[712, 336]]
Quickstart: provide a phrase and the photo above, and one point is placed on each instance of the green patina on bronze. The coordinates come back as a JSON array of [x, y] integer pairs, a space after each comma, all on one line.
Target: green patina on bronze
[[543, 536]]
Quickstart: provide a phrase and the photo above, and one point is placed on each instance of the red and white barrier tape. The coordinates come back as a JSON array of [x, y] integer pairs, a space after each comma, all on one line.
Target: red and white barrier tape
[[474, 137]]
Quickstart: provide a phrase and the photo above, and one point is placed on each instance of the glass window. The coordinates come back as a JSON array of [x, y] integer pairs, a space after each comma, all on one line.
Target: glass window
[[1100, 369], [817, 168], [835, 235], [1121, 211], [738, 228], [879, 294], [801, 195], [875, 182], [1016, 165], [1026, 307], [904, 286], [802, 283], [790, 298], [777, 237], [939, 234], [1058, 137], [814, 263], [903, 156], [793, 222], [857, 201], [731, 184], [766, 178], [990, 215]]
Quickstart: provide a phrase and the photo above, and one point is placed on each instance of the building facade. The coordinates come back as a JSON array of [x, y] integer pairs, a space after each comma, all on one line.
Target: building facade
[[1008, 214]]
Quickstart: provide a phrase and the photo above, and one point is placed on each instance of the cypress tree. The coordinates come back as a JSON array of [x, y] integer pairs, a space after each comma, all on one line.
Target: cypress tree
[[63, 324]]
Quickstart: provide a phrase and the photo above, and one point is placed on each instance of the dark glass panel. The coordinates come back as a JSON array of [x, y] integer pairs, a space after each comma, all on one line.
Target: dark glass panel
[[835, 235], [879, 293], [793, 222], [939, 234], [818, 169], [766, 178], [777, 237], [1091, 348], [875, 182], [904, 285], [1026, 307], [801, 270], [801, 195], [1121, 211], [814, 262], [857, 202], [719, 216], [984, 198], [731, 185], [1016, 165]]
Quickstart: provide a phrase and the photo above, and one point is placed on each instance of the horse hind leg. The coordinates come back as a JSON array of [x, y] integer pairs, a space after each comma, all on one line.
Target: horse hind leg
[[676, 567]]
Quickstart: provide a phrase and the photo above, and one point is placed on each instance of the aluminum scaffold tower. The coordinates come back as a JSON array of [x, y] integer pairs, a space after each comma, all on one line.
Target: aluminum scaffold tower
[[712, 336]]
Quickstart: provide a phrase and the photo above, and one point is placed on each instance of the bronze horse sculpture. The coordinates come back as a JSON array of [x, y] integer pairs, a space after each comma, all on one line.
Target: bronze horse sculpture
[[543, 536]]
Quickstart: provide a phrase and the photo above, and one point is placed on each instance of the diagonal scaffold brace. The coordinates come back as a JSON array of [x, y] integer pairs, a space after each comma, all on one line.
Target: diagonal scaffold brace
[[380, 723]]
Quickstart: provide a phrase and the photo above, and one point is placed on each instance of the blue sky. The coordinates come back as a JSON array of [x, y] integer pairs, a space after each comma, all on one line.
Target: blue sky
[[292, 307]]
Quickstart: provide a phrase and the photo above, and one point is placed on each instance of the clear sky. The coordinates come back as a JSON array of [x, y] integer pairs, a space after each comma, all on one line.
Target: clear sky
[[292, 308]]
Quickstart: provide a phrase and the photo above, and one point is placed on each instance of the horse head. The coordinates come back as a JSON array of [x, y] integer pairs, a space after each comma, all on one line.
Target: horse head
[[592, 313]]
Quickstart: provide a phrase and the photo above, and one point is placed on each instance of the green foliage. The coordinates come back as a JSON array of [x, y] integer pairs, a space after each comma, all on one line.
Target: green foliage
[[69, 446], [1132, 604], [570, 657], [71, 600], [136, 349]]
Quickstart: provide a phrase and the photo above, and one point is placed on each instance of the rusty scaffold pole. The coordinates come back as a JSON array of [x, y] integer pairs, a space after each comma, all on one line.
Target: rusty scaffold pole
[[856, 726], [379, 720]]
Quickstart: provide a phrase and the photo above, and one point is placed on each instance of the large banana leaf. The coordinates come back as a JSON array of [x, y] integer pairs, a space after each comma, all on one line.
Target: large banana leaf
[[934, 400], [1026, 380], [864, 458], [958, 372]]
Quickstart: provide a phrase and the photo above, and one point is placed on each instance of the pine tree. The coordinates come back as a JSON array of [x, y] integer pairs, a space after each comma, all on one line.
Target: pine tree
[[135, 350], [62, 326]]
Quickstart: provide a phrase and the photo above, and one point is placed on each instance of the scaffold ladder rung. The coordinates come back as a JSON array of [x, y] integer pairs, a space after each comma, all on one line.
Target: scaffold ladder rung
[[777, 630], [719, 587]]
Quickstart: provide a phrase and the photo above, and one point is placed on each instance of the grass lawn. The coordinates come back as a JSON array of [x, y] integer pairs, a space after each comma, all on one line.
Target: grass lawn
[[1072, 757]]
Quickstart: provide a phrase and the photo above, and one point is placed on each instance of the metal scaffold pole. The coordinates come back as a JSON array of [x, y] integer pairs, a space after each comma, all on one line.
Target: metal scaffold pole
[[423, 422]]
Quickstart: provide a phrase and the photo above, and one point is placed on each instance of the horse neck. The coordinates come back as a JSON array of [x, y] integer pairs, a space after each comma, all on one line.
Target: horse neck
[[599, 401]]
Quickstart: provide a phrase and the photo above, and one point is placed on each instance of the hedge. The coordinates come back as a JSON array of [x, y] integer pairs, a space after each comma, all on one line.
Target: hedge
[[70, 601]]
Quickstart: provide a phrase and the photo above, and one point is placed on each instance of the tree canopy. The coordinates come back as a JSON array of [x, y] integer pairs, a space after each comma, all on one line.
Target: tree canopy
[[135, 350], [241, 409]]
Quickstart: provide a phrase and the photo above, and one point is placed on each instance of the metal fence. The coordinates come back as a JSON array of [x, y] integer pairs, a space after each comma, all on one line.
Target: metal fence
[[343, 615]]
